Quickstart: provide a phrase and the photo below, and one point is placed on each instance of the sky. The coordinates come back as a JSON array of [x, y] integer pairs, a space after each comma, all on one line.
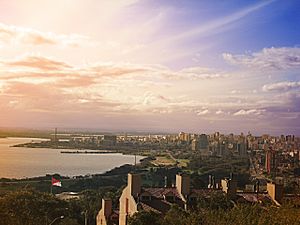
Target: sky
[[152, 66]]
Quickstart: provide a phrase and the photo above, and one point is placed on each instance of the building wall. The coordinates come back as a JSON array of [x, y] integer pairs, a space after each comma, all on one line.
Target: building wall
[[229, 186], [101, 220], [183, 184], [128, 205], [270, 163], [105, 212], [195, 145], [203, 141], [275, 191]]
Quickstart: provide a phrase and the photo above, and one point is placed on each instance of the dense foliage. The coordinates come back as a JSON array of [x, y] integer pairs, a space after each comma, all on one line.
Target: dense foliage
[[29, 207], [237, 215]]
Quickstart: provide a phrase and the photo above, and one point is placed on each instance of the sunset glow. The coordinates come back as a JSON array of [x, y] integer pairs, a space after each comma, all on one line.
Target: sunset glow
[[138, 65]]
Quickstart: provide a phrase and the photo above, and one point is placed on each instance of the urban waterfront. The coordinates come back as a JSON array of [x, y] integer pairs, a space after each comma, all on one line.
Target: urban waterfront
[[31, 162], [138, 112]]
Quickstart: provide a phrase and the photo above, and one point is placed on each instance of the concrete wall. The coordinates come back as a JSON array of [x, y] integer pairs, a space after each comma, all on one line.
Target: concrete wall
[[275, 191], [128, 205], [183, 184], [105, 212], [229, 186]]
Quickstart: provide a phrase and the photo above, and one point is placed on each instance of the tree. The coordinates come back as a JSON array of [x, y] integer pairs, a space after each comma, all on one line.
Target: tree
[[214, 202], [29, 207], [68, 221], [175, 215], [145, 218]]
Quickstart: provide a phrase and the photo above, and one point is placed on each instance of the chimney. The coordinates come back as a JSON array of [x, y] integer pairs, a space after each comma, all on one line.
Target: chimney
[[183, 184], [229, 187], [257, 186], [107, 207], [134, 184], [275, 191], [209, 181], [166, 181]]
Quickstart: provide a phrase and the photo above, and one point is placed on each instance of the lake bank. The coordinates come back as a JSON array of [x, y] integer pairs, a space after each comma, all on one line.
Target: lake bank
[[115, 177]]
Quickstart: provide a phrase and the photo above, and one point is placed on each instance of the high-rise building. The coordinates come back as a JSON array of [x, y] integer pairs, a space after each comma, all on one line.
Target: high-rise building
[[241, 149], [195, 144], [241, 146], [203, 142], [270, 163], [222, 148], [184, 136]]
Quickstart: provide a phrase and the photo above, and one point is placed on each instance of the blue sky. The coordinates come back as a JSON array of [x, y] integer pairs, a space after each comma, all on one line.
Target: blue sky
[[194, 66]]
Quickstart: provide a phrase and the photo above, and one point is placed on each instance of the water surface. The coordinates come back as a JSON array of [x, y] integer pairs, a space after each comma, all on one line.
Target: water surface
[[31, 162]]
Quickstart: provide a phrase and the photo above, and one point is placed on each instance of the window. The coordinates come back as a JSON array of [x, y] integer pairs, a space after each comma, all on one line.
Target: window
[[127, 206]]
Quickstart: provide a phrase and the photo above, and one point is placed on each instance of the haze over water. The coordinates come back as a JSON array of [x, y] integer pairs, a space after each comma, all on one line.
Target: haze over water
[[32, 162]]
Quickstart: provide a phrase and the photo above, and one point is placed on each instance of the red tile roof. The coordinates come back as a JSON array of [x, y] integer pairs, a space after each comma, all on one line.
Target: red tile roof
[[253, 197], [160, 192]]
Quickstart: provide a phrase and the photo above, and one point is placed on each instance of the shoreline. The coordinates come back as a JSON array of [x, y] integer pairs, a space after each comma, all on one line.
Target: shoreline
[[125, 150], [89, 152], [111, 178]]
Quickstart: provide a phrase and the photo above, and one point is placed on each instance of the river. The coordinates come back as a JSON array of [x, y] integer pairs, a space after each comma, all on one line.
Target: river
[[32, 162]]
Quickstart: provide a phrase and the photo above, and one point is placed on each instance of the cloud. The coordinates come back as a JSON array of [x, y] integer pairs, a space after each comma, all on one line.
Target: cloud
[[244, 112], [235, 92], [201, 73], [281, 86], [51, 98], [202, 112], [218, 24], [268, 58], [100, 69], [128, 87], [150, 98], [290, 102], [116, 69], [158, 71], [26, 36], [219, 112], [34, 83], [37, 62]]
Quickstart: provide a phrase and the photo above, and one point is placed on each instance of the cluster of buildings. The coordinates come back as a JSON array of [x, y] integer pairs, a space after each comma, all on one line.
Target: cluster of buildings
[[136, 198], [271, 159], [271, 155], [220, 145], [276, 157], [214, 144], [97, 140]]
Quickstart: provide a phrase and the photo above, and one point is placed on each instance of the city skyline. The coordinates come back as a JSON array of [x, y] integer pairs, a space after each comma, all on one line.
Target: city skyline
[[193, 66]]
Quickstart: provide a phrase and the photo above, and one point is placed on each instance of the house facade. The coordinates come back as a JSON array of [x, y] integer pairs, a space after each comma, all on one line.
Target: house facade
[[135, 198]]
